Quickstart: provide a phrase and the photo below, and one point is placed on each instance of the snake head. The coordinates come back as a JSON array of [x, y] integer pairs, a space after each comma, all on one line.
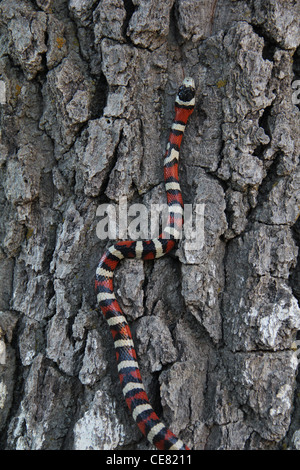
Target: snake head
[[187, 90]]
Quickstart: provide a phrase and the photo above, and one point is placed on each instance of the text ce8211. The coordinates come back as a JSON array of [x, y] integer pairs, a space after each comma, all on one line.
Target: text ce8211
[[171, 459]]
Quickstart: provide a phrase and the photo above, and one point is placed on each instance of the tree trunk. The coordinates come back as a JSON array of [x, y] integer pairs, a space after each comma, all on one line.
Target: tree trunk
[[87, 93]]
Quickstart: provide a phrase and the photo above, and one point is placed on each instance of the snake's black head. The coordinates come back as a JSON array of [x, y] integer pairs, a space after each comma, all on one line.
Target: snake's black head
[[186, 92]]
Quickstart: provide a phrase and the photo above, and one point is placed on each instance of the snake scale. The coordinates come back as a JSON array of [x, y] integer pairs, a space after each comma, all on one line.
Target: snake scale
[[133, 389]]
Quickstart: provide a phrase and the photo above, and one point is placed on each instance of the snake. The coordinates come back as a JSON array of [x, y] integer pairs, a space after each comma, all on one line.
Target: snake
[[129, 373]]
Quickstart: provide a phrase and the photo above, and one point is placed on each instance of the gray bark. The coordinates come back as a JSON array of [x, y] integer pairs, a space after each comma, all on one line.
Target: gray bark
[[87, 102]]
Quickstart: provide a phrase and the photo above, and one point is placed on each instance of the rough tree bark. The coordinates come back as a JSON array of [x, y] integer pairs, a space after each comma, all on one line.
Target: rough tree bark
[[87, 91]]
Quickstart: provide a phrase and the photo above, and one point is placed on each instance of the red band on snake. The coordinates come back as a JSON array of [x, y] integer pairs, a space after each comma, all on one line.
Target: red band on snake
[[131, 381]]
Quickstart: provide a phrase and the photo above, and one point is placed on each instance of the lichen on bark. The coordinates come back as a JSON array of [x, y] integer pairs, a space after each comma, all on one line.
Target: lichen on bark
[[87, 95]]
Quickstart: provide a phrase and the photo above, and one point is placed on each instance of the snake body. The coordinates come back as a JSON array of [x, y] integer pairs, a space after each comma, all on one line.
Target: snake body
[[133, 389]]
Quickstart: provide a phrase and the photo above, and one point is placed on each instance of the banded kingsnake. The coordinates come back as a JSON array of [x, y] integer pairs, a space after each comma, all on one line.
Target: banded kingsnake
[[130, 377]]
